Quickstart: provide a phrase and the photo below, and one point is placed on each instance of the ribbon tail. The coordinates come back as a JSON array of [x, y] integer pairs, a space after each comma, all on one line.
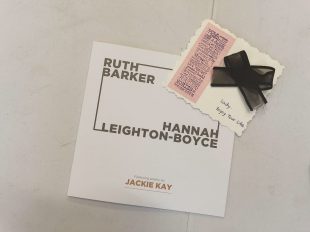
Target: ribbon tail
[[247, 101], [262, 96], [253, 97]]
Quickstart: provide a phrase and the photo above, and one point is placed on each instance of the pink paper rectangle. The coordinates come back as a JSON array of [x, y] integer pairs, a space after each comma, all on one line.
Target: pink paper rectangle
[[194, 73]]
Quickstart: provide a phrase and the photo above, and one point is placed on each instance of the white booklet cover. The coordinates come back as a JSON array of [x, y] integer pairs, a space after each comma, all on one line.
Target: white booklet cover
[[139, 145]]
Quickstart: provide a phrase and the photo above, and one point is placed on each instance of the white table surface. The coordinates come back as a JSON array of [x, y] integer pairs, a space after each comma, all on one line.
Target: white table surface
[[44, 54]]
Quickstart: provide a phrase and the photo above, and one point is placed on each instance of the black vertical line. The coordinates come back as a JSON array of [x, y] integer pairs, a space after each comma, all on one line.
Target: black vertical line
[[98, 102]]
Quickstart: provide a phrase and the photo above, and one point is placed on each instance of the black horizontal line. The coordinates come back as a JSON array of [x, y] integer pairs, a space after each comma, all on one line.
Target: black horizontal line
[[153, 66]]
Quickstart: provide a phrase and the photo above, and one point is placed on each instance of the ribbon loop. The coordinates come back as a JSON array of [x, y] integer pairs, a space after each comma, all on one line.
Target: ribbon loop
[[251, 80]]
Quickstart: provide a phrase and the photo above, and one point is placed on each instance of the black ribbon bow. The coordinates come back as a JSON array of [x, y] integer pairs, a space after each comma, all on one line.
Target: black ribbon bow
[[251, 80]]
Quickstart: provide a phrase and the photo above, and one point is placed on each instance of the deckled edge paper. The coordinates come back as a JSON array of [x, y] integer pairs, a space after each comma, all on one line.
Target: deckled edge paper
[[206, 49]]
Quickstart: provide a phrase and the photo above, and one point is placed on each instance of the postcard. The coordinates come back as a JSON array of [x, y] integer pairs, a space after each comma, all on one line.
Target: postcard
[[191, 79]]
